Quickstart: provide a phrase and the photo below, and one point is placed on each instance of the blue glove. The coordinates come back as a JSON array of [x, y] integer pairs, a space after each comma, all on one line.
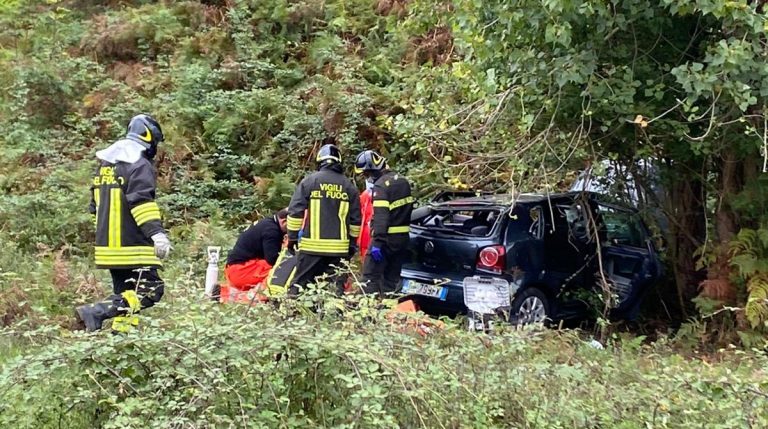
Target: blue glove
[[377, 254]]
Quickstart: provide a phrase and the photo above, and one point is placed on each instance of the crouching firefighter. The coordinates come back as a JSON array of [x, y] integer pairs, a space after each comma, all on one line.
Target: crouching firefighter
[[392, 206], [130, 239], [332, 206]]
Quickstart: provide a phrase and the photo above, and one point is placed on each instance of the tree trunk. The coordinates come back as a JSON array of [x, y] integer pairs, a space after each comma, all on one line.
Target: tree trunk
[[684, 207], [718, 285]]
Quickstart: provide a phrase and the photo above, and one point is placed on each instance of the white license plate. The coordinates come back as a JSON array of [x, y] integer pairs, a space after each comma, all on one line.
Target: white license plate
[[416, 288], [486, 294]]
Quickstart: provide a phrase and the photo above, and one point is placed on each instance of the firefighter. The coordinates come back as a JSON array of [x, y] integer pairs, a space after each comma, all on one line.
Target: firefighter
[[130, 239], [332, 206], [392, 206], [255, 252]]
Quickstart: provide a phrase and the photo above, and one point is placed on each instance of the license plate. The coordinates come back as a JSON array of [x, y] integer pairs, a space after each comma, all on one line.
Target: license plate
[[484, 294], [416, 288]]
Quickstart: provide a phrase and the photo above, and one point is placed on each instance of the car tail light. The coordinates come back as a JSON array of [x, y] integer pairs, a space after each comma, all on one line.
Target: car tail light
[[491, 259]]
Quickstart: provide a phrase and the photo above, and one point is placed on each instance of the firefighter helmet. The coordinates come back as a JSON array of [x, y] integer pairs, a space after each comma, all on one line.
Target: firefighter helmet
[[369, 160], [328, 154], [145, 130]]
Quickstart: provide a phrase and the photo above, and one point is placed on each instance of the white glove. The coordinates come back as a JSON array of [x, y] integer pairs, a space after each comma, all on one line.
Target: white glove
[[162, 245]]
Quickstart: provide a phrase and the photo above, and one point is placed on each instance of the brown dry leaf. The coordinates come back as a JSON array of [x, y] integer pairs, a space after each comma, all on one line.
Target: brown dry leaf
[[61, 275], [719, 289]]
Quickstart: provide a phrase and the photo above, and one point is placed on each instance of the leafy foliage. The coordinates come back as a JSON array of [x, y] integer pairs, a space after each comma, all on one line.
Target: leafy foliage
[[750, 257], [211, 366], [500, 95]]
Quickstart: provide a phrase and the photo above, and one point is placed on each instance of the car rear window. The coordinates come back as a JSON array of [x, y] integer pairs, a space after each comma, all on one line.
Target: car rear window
[[465, 221]]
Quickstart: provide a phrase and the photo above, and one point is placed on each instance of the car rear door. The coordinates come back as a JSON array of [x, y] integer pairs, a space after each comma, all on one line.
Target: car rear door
[[630, 263]]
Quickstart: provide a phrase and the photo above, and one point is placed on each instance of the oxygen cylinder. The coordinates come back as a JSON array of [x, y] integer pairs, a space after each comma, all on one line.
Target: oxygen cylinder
[[212, 272]]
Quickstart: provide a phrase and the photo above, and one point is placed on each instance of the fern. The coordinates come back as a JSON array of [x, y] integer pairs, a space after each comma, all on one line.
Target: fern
[[756, 309], [749, 255]]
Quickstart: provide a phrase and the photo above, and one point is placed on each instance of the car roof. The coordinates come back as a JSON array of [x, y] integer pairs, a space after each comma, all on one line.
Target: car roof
[[507, 199]]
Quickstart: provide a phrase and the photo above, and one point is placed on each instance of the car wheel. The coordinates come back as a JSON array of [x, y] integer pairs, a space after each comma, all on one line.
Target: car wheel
[[529, 306]]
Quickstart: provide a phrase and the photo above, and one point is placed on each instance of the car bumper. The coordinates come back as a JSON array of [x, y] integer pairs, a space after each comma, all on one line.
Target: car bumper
[[454, 298]]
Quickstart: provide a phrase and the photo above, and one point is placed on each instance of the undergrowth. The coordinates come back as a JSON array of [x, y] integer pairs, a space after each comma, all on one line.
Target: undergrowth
[[323, 362]]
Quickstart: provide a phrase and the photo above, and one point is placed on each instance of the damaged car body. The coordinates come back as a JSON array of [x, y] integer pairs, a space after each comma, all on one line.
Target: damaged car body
[[551, 249]]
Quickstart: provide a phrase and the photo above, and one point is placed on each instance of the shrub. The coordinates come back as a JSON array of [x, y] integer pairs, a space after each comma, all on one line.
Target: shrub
[[202, 365]]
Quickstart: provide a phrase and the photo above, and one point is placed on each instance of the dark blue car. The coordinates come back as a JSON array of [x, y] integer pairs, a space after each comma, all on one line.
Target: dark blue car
[[545, 246]]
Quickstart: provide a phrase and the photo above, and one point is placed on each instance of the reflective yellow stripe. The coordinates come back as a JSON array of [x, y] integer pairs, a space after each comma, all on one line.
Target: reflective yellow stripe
[[145, 212], [135, 256], [398, 229], [343, 211], [324, 245], [97, 201], [126, 255], [381, 203], [289, 282], [274, 290], [150, 206], [401, 202], [128, 258], [115, 217], [119, 216], [143, 261], [337, 252], [314, 219], [132, 250], [130, 262], [354, 230], [141, 220], [111, 223], [294, 223], [334, 244]]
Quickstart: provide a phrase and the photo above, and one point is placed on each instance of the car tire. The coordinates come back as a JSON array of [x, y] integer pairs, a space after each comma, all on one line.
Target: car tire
[[529, 306]]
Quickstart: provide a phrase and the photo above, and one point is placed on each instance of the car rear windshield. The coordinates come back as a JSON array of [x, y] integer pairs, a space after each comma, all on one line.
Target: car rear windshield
[[465, 221]]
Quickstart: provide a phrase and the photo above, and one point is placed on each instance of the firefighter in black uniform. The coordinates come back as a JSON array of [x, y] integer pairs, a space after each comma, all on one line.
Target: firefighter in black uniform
[[332, 206], [130, 239], [392, 206]]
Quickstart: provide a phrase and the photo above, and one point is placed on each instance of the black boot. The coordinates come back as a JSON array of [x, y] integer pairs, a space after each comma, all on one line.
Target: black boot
[[94, 315]]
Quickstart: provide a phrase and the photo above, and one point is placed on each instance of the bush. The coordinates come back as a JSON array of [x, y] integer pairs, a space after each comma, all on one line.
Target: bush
[[53, 215], [202, 365]]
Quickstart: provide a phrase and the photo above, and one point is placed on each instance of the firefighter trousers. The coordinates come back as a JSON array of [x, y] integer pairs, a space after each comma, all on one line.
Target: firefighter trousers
[[310, 267], [383, 278], [145, 282]]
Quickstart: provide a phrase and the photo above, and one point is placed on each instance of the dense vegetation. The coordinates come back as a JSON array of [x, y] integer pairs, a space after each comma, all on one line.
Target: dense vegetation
[[205, 366], [502, 95]]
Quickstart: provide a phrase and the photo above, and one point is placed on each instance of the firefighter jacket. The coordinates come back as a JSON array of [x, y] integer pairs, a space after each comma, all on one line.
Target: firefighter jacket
[[392, 206], [123, 202], [332, 204]]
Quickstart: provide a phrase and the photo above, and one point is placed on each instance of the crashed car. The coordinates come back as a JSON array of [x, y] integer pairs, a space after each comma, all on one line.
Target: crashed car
[[552, 251]]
